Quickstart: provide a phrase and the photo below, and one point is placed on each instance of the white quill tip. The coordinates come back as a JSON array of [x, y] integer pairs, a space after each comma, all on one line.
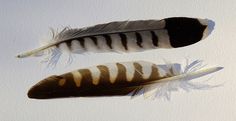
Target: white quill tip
[[201, 73], [23, 55]]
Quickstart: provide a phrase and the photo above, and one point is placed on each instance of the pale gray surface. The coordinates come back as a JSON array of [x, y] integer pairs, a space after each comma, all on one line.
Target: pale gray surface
[[24, 22]]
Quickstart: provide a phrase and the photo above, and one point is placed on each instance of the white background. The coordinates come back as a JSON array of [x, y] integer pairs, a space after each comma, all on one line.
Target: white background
[[23, 23]]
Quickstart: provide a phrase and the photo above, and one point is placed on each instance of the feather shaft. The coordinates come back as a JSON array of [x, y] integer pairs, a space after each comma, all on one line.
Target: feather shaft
[[188, 76], [35, 51]]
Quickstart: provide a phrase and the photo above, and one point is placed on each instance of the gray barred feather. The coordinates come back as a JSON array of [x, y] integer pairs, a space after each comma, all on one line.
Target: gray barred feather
[[128, 36]]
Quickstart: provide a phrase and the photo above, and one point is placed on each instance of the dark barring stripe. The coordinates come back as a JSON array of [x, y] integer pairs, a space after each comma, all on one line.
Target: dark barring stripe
[[94, 39], [81, 41], [138, 72], [108, 40], [139, 39], [121, 76], [154, 39], [123, 40], [68, 43]]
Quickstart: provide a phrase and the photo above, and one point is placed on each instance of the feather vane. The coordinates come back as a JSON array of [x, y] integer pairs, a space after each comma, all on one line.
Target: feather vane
[[126, 36], [123, 78]]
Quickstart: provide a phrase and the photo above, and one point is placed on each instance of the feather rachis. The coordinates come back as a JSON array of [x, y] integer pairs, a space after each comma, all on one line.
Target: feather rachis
[[162, 88]]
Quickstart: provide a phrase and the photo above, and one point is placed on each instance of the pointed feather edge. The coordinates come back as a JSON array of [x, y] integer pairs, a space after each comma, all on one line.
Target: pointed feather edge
[[189, 76], [182, 77]]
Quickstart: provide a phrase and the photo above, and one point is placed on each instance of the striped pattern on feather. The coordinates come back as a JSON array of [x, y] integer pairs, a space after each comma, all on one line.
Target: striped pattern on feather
[[110, 79], [129, 36]]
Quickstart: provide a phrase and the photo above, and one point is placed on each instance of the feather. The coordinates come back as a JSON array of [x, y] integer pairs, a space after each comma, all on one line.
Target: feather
[[120, 79], [125, 36]]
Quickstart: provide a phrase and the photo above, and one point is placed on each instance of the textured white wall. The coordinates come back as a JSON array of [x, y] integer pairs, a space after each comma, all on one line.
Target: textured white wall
[[24, 22]]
